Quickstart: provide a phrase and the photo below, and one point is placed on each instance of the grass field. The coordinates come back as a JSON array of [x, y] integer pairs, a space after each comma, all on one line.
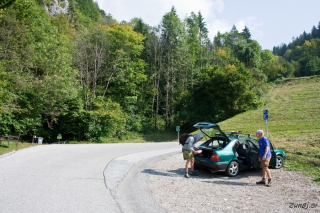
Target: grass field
[[293, 124], [4, 148]]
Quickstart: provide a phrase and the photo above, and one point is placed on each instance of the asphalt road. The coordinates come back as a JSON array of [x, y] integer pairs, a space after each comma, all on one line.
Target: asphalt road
[[80, 178]]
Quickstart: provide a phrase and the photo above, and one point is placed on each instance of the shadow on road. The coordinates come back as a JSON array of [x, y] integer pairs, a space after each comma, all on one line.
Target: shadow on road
[[230, 183], [205, 174], [170, 173]]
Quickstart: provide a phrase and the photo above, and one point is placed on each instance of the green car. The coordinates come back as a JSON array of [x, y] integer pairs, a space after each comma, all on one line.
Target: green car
[[231, 152]]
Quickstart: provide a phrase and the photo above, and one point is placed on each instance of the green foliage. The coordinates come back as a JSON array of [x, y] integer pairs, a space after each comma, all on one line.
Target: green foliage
[[89, 9], [309, 57], [298, 41], [106, 120], [222, 92], [124, 39], [37, 66], [71, 123], [6, 96], [125, 48], [304, 51], [6, 3]]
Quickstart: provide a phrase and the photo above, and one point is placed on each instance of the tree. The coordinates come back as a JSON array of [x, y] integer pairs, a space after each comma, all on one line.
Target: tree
[[193, 42], [170, 41], [89, 9], [234, 34], [107, 120], [203, 34], [222, 92], [314, 32], [37, 61], [246, 34], [6, 3], [89, 58]]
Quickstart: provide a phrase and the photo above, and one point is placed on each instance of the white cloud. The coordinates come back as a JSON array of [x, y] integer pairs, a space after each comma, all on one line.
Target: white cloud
[[240, 25], [218, 25], [209, 10], [253, 24], [152, 11]]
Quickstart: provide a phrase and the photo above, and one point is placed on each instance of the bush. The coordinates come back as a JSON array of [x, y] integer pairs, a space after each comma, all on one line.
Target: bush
[[107, 120]]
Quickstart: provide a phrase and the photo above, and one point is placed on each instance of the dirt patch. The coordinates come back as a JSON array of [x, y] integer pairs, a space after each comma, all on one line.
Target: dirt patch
[[212, 192]]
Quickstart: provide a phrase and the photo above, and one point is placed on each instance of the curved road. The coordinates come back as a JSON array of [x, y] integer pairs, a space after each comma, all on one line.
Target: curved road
[[80, 178]]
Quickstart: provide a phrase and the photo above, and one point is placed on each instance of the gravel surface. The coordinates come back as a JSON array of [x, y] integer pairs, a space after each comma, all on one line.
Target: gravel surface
[[212, 192]]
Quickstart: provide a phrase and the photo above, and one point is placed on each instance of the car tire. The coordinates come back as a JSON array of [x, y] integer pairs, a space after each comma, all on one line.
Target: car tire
[[232, 169], [279, 162]]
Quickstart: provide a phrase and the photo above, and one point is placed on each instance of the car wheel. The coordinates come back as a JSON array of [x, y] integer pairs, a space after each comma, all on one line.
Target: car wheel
[[233, 169], [279, 162]]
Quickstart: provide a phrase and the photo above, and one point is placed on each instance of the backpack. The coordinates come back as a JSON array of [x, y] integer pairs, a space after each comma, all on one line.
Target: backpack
[[183, 138]]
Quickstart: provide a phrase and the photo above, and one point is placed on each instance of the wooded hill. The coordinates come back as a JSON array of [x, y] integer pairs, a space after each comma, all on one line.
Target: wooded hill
[[86, 76], [303, 52]]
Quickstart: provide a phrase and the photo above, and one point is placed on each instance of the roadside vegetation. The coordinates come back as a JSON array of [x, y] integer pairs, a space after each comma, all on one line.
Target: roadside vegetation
[[4, 148]]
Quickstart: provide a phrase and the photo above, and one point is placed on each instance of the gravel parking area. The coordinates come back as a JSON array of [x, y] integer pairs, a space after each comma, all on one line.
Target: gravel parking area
[[212, 192]]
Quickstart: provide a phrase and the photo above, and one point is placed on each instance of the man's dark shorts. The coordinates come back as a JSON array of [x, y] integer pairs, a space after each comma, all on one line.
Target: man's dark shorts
[[187, 154]]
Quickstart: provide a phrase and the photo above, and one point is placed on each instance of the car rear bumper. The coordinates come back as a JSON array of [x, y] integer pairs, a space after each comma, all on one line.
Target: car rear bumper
[[210, 165]]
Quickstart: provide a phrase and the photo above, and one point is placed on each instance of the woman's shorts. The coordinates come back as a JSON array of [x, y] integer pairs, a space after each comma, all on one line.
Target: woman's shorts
[[265, 163], [187, 154]]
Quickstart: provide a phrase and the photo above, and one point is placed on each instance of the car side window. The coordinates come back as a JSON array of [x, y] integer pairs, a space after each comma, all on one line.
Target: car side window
[[244, 144], [211, 143], [252, 145], [235, 147], [215, 143], [243, 141]]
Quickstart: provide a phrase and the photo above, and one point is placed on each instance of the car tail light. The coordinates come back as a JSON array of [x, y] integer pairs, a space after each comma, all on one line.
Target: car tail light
[[215, 157]]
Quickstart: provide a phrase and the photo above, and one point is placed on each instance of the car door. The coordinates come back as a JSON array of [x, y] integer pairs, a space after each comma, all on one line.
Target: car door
[[273, 160], [253, 153]]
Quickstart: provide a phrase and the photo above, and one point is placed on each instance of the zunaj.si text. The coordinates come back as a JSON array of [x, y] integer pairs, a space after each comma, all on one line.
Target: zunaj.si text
[[307, 205]]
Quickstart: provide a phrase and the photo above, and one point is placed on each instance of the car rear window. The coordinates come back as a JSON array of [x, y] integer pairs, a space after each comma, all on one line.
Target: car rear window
[[215, 143]]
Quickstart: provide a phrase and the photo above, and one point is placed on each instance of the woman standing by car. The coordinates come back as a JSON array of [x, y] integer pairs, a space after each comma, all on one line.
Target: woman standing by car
[[188, 152], [264, 157]]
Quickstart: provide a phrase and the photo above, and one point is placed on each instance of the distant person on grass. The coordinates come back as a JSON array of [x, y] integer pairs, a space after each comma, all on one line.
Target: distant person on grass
[[188, 151], [264, 157]]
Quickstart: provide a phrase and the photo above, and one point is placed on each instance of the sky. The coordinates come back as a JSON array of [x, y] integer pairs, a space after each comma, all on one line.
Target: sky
[[270, 22]]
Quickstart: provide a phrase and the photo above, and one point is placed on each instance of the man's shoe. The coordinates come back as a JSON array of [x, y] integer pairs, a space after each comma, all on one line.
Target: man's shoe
[[261, 182], [194, 174], [269, 183], [186, 176]]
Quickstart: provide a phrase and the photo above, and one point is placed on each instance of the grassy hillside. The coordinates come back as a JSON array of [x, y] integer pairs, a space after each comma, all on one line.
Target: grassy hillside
[[293, 124]]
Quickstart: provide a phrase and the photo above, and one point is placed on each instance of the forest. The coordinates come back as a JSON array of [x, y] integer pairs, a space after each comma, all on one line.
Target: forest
[[90, 78]]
